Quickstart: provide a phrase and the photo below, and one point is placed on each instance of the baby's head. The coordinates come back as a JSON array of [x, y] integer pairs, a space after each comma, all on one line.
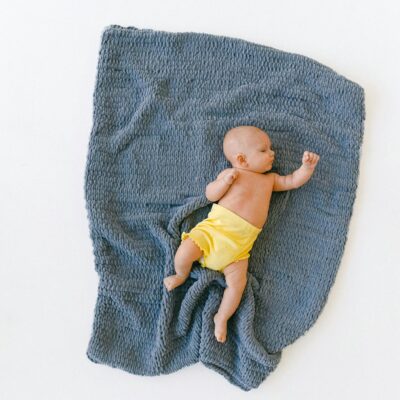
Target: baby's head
[[248, 147]]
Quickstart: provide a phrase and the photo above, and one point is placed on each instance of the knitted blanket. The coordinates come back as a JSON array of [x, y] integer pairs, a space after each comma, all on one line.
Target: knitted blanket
[[161, 106]]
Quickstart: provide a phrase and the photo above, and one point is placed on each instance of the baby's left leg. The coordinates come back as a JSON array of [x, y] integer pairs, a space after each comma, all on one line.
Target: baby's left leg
[[236, 278], [187, 253]]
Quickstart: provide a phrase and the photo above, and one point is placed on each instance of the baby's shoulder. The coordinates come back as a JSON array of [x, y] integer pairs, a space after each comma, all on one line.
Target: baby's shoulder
[[270, 176]]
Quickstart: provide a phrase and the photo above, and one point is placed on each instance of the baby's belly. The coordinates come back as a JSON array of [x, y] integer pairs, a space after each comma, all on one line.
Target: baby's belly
[[252, 211]]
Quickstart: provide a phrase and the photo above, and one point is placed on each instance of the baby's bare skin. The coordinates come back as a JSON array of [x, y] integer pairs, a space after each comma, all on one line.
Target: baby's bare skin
[[246, 190], [248, 196]]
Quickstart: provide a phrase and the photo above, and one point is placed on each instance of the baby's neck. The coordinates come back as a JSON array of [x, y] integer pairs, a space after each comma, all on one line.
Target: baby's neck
[[249, 170]]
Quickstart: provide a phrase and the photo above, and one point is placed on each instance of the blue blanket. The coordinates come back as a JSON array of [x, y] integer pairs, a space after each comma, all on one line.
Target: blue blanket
[[161, 106]]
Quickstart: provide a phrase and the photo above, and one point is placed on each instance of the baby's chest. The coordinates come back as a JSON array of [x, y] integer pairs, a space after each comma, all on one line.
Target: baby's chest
[[256, 188]]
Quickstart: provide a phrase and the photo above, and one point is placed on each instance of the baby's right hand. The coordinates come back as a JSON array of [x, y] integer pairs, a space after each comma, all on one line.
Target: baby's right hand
[[231, 176]]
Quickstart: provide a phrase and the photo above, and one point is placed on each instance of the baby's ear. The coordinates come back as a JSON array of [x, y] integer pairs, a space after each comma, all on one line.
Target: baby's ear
[[242, 159]]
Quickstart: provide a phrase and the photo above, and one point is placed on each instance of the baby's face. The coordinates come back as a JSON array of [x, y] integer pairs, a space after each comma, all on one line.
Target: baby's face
[[259, 153]]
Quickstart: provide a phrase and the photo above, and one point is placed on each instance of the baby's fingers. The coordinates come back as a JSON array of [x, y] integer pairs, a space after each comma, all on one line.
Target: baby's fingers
[[315, 158], [230, 177], [306, 156], [310, 159]]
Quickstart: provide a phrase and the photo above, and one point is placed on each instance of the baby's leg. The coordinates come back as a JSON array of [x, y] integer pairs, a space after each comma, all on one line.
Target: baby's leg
[[187, 252], [236, 278]]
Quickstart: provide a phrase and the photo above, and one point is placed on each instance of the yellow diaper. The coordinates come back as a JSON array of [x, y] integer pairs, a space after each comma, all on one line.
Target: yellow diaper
[[224, 237]]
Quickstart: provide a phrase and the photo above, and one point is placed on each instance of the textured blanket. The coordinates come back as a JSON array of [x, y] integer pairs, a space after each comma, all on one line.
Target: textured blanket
[[161, 106]]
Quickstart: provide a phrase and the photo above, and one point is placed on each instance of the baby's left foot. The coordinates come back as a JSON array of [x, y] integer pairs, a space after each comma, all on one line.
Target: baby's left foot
[[172, 281], [220, 328]]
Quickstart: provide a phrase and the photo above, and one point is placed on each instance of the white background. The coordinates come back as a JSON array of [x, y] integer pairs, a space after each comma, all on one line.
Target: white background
[[48, 285]]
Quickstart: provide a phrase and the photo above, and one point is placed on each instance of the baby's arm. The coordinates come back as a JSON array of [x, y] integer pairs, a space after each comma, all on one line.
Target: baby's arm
[[216, 189], [299, 177]]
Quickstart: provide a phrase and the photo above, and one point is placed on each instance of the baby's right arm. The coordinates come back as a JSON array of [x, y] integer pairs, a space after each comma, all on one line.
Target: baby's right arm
[[216, 189]]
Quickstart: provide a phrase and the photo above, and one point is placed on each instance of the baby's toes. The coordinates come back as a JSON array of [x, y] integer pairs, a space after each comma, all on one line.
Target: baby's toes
[[168, 282], [220, 335], [171, 282]]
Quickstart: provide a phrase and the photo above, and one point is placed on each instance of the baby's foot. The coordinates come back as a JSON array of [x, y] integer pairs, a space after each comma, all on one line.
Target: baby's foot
[[220, 328], [171, 282]]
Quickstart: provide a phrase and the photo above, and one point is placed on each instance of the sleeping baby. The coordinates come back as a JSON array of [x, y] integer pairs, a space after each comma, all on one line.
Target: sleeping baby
[[241, 196]]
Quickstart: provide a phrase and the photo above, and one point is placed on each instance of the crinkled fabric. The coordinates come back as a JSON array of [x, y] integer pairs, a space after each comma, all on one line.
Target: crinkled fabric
[[162, 103]]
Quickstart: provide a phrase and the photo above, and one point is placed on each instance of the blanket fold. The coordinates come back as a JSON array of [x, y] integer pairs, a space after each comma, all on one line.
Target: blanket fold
[[161, 106]]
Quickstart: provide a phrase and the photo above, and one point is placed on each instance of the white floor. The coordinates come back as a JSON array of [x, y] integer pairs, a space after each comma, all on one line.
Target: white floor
[[48, 284]]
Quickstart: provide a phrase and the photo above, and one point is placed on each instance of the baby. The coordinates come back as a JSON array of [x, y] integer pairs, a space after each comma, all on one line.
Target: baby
[[223, 240]]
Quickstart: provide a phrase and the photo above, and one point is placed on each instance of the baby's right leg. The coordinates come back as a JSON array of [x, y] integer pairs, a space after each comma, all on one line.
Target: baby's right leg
[[187, 253]]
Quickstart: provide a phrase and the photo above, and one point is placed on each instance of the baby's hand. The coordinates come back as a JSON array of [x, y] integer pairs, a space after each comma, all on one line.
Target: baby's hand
[[310, 160], [231, 176]]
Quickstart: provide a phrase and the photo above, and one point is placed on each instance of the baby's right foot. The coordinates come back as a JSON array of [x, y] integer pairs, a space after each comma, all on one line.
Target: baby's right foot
[[220, 328], [171, 282]]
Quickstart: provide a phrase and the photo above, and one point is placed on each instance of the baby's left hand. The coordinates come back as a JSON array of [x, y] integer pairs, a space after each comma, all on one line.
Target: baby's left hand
[[310, 160]]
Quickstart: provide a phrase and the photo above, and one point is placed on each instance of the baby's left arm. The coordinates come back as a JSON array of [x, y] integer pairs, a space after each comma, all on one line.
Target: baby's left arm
[[299, 177]]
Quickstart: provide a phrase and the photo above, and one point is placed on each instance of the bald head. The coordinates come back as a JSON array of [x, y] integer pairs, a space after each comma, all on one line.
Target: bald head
[[240, 139]]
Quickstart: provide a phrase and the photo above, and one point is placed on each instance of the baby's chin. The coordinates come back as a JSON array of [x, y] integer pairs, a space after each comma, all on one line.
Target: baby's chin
[[268, 169], [264, 171], [258, 171]]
